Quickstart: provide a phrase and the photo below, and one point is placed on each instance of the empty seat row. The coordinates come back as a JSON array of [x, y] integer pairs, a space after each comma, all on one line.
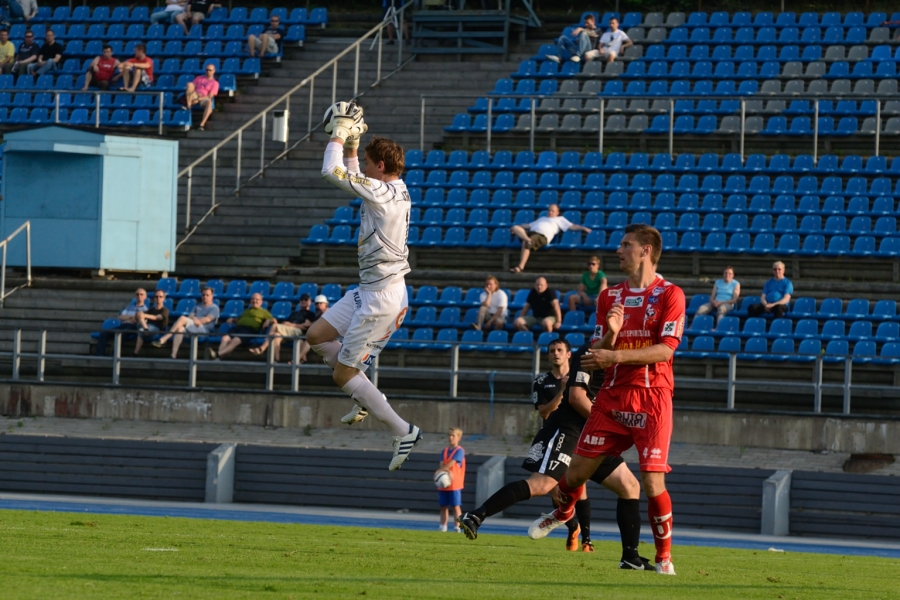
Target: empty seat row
[[120, 117], [886, 69], [154, 33], [808, 53], [505, 160], [141, 14], [786, 350], [713, 183], [807, 328]]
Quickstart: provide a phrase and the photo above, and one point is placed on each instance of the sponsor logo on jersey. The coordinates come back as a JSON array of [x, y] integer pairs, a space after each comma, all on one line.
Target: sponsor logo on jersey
[[634, 302], [658, 290], [635, 333], [653, 300], [582, 377], [593, 440], [340, 173], [669, 328], [635, 345], [534, 397], [536, 452], [368, 360], [559, 442], [564, 458], [357, 301], [630, 419], [656, 453], [598, 331], [651, 312], [614, 291]]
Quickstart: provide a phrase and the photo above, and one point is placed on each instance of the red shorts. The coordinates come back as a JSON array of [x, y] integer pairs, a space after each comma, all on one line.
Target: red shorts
[[630, 416]]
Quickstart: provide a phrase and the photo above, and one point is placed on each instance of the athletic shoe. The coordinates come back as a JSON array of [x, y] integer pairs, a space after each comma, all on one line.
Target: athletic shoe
[[575, 59], [572, 539], [212, 354], [157, 344], [355, 416], [457, 529], [469, 524], [665, 567], [442, 528], [552, 57], [404, 445], [636, 564], [587, 547], [544, 525]]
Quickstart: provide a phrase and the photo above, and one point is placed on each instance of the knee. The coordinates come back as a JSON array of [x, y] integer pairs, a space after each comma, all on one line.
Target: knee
[[654, 484]]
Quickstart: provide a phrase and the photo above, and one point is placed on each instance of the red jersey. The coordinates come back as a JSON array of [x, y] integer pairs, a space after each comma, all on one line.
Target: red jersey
[[653, 315], [106, 68]]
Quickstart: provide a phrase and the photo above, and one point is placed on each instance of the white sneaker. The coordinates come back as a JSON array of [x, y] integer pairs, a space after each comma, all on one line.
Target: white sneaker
[[404, 445], [457, 530], [542, 527], [442, 528], [575, 59], [552, 57], [355, 416], [665, 568]]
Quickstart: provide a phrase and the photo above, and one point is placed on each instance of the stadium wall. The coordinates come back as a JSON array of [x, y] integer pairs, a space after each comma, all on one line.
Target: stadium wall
[[791, 431]]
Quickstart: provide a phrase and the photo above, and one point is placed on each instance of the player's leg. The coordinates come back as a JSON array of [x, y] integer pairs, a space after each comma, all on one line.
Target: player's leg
[[444, 516], [574, 524], [537, 484], [583, 518], [615, 476]]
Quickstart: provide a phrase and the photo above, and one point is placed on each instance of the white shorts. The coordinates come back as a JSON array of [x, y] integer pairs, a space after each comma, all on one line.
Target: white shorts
[[367, 320]]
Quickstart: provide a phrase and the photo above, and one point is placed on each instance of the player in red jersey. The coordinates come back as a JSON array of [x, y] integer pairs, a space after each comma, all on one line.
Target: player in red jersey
[[639, 325]]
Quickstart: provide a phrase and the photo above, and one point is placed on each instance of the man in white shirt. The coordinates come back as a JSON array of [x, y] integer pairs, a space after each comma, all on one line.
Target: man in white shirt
[[540, 233], [610, 45], [367, 316]]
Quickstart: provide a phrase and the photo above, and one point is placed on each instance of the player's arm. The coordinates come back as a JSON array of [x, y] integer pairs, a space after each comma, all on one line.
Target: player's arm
[[614, 320], [545, 409], [580, 401]]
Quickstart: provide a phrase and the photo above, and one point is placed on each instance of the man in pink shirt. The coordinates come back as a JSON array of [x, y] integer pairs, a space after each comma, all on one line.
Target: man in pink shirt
[[202, 91]]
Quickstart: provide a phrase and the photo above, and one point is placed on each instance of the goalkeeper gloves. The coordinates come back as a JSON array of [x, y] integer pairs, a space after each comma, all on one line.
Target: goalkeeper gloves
[[344, 120]]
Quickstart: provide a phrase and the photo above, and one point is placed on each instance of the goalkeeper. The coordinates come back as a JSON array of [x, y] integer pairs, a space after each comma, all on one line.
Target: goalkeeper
[[367, 316]]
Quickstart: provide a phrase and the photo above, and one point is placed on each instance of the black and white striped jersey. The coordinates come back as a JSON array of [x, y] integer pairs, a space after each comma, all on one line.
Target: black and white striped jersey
[[384, 220]]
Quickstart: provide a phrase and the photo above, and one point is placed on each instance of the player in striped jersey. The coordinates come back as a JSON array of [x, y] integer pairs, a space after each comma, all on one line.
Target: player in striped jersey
[[367, 316]]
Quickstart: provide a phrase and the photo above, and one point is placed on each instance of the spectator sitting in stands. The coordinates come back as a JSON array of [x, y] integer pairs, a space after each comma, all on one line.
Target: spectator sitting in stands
[[493, 310], [50, 56], [724, 296], [21, 10], [541, 233], [269, 41], [585, 38], [7, 51], [775, 296], [102, 70], [137, 72], [128, 317], [593, 281], [201, 320], [321, 308], [152, 320], [168, 14], [27, 54], [196, 11], [293, 327], [544, 308], [610, 45], [202, 92], [251, 321]]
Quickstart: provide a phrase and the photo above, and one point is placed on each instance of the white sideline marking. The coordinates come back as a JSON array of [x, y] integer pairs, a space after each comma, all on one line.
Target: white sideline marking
[[160, 549]]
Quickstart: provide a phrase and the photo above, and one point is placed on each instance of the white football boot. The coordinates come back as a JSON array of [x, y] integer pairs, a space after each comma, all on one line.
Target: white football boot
[[542, 527], [355, 416], [665, 567], [403, 445]]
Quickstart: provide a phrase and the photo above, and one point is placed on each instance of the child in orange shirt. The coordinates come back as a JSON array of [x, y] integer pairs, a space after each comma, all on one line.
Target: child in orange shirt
[[453, 459]]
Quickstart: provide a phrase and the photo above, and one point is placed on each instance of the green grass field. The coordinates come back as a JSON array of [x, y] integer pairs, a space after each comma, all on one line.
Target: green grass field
[[62, 555]]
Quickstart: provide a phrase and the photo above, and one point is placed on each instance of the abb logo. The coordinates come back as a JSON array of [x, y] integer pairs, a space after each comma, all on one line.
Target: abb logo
[[593, 440]]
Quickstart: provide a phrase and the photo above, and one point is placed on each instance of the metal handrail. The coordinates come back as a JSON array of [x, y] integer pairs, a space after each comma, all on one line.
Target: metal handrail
[[283, 103], [4, 244], [731, 383], [604, 98]]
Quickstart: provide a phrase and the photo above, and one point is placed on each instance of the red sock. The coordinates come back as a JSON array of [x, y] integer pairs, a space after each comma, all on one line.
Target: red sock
[[568, 496], [660, 511]]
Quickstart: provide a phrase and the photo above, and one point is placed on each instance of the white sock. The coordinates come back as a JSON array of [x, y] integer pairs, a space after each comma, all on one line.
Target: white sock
[[328, 351], [367, 395]]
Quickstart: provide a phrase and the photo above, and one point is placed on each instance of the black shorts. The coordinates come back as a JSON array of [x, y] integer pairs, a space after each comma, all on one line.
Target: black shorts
[[241, 329], [551, 451]]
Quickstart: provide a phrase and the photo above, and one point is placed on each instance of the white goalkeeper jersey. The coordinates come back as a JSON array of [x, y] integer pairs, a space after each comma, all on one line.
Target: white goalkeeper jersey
[[384, 220]]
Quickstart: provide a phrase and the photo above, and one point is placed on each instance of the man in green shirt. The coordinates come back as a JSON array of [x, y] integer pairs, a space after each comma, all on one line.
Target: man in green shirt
[[593, 281], [250, 322]]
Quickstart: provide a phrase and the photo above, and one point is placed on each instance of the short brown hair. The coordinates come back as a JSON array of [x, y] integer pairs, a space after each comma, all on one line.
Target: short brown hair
[[390, 152], [647, 236], [141, 47]]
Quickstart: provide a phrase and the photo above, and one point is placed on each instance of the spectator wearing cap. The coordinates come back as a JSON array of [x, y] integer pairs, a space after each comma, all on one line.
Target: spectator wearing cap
[[151, 321], [202, 92], [321, 303], [294, 326], [253, 320]]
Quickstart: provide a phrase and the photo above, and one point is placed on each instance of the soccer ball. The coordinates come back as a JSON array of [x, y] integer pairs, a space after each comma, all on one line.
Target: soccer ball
[[350, 110], [442, 480]]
